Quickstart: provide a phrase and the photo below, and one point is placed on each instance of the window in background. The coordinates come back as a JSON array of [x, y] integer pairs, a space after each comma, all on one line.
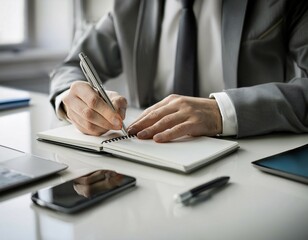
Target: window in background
[[13, 24]]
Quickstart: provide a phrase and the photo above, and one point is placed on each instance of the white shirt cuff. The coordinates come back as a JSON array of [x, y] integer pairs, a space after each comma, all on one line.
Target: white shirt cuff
[[228, 114], [59, 110]]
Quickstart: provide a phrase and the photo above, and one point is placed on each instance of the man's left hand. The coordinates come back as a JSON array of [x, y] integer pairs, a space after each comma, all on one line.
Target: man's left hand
[[177, 116]]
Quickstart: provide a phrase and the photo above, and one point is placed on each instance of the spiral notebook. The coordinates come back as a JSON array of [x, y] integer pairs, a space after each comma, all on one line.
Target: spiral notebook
[[184, 154]]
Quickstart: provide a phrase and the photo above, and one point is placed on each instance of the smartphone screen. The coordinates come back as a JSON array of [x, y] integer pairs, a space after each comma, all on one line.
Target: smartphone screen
[[83, 191]]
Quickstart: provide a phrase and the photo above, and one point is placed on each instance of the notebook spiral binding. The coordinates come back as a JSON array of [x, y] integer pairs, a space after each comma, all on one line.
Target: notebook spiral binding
[[119, 138]]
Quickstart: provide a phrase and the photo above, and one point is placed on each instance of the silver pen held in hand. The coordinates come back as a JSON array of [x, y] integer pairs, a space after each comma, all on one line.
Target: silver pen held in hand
[[95, 81]]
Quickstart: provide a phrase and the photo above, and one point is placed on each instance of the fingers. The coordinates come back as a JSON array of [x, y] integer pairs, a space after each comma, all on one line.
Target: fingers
[[161, 116], [173, 133], [177, 116], [93, 101], [90, 113], [87, 120], [165, 123], [88, 128], [119, 102], [147, 111], [149, 121]]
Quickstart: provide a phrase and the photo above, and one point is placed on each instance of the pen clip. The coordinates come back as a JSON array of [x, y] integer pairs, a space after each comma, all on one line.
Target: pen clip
[[86, 74], [93, 85]]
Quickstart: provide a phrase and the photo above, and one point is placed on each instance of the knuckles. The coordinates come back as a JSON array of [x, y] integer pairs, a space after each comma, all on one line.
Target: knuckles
[[119, 101], [153, 115], [167, 120], [87, 113], [93, 100], [76, 85], [172, 97]]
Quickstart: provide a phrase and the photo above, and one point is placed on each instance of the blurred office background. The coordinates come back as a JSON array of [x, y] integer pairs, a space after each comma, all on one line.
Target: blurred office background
[[36, 35]]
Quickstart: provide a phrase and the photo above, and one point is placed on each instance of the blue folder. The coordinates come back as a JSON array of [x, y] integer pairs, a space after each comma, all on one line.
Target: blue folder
[[13, 98]]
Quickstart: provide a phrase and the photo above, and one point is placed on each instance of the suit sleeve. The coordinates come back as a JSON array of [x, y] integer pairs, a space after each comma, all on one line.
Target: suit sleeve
[[100, 44], [277, 107]]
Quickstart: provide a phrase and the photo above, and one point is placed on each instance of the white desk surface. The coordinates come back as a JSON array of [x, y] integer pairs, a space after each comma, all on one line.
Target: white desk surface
[[255, 205]]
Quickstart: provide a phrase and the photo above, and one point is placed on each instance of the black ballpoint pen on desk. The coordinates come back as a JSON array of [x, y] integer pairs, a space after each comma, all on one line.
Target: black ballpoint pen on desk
[[194, 192], [93, 78]]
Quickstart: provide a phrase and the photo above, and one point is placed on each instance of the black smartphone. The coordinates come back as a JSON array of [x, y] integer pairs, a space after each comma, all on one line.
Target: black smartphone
[[82, 192]]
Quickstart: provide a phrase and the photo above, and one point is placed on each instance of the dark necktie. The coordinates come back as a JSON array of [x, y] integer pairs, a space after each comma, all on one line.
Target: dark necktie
[[185, 75]]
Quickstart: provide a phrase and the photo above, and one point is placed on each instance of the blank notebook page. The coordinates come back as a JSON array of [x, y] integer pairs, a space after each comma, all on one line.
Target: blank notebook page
[[184, 151]]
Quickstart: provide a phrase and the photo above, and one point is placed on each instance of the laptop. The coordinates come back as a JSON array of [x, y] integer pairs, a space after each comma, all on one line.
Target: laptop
[[18, 168]]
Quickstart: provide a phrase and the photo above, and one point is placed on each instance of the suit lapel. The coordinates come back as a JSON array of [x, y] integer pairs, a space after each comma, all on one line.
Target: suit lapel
[[233, 14], [146, 48]]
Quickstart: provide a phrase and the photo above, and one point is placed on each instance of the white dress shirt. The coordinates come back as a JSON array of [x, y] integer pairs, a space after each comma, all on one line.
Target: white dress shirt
[[210, 74]]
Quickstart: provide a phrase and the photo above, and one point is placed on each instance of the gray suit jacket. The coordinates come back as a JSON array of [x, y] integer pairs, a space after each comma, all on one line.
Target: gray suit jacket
[[262, 41]]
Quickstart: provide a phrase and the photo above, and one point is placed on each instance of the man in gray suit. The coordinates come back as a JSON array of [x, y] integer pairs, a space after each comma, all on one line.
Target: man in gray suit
[[252, 68]]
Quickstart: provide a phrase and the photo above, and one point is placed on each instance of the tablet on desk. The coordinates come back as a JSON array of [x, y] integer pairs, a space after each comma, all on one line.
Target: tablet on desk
[[292, 164]]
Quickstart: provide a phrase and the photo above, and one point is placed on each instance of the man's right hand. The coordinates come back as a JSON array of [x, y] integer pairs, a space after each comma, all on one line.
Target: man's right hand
[[90, 113]]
